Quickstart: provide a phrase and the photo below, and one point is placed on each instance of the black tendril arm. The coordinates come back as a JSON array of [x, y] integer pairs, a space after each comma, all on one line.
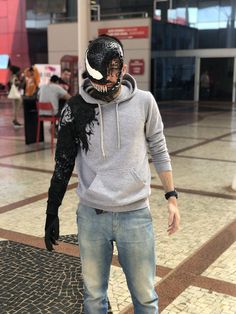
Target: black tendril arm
[[76, 126]]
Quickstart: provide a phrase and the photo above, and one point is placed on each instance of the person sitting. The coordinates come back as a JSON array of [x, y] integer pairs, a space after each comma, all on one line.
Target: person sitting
[[65, 83], [52, 92], [64, 80]]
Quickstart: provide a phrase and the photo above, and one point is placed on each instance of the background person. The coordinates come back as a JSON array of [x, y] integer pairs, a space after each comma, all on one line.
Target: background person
[[31, 81], [16, 98], [205, 85], [52, 92], [106, 129], [64, 82]]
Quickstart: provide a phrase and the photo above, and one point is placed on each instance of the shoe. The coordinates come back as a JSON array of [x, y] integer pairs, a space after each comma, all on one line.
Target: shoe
[[16, 124]]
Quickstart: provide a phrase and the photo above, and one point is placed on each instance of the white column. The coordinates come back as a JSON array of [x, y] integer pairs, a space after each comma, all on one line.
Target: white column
[[234, 83], [197, 79], [234, 183], [83, 33]]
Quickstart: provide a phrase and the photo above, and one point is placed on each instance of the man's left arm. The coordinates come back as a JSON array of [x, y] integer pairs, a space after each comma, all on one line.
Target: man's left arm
[[161, 160], [62, 93], [171, 195]]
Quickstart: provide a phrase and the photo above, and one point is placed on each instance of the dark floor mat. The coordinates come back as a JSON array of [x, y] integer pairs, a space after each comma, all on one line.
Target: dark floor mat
[[36, 281]]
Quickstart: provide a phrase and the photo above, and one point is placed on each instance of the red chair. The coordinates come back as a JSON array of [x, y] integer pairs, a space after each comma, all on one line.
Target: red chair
[[46, 106]]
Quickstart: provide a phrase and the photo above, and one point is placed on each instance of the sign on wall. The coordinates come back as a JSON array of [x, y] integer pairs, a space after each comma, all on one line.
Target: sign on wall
[[46, 71], [126, 32], [136, 66]]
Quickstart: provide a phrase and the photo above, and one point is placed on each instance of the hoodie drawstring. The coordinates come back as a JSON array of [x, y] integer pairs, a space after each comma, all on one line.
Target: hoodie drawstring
[[102, 129], [118, 125]]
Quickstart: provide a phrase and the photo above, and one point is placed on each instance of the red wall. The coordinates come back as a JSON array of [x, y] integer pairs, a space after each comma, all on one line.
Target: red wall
[[13, 34]]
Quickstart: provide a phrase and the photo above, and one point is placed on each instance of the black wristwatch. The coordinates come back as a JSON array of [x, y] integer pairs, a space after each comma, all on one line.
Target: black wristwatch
[[171, 193]]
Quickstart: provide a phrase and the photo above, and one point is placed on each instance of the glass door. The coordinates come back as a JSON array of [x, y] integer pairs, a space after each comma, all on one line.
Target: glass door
[[216, 79]]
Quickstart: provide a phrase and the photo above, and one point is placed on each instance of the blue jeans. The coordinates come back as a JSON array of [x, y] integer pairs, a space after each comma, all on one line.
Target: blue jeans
[[133, 233]]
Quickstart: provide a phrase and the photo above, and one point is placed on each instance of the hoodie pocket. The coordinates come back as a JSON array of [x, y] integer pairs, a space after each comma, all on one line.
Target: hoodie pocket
[[117, 187]]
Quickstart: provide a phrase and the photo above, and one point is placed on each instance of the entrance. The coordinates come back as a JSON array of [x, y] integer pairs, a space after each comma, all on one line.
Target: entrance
[[216, 79]]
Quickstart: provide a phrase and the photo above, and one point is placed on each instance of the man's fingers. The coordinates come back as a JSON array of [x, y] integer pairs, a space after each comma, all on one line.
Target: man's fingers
[[170, 218], [48, 244], [173, 224], [51, 232], [56, 228], [53, 240], [56, 234], [50, 241], [172, 229]]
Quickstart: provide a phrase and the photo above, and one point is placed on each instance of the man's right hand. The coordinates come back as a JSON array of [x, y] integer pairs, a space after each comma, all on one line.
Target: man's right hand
[[51, 231]]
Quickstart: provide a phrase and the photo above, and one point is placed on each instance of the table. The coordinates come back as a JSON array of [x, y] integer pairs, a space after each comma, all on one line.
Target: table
[[30, 120]]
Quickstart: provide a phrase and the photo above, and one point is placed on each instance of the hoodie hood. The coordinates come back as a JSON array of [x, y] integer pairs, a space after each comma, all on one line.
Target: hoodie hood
[[128, 90]]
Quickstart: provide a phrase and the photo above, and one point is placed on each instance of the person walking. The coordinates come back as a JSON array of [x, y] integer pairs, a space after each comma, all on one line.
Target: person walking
[[16, 98], [107, 131]]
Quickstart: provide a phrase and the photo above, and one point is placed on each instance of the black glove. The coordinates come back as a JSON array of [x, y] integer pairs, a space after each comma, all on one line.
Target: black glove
[[51, 231]]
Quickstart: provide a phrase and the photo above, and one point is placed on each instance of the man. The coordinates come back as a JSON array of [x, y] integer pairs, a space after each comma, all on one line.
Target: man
[[107, 129], [205, 85], [64, 80], [52, 92]]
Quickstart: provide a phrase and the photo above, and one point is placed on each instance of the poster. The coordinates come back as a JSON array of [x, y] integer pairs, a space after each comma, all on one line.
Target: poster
[[46, 71]]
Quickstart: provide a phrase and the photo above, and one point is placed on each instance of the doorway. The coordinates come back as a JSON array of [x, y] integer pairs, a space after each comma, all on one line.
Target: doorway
[[216, 79]]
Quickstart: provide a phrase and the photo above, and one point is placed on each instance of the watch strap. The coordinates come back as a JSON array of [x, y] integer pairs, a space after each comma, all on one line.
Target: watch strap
[[171, 193]]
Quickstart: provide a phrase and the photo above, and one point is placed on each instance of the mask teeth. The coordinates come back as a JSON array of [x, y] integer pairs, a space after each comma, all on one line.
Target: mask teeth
[[100, 88]]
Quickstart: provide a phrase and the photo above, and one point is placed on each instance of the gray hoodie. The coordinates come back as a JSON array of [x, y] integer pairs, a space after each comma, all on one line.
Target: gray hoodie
[[114, 173]]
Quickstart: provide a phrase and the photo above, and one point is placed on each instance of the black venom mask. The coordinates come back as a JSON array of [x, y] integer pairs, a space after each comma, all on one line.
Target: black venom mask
[[104, 55]]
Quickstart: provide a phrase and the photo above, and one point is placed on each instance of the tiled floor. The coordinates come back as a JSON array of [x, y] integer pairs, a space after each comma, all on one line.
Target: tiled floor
[[196, 267]]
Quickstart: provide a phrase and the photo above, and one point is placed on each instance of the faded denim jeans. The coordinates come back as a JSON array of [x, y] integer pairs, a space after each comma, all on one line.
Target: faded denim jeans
[[133, 233]]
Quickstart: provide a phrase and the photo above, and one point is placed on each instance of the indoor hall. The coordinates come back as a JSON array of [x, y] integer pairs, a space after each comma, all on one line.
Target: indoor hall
[[196, 267]]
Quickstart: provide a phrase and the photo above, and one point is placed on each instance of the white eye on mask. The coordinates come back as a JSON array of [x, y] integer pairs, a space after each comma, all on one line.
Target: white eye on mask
[[92, 72]]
